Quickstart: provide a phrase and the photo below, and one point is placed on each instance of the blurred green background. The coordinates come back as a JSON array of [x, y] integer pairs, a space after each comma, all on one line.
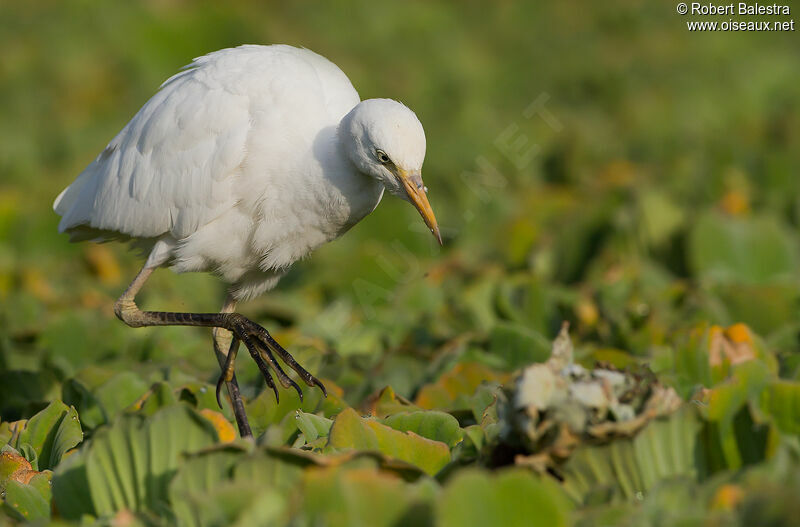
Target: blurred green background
[[592, 162], [652, 186]]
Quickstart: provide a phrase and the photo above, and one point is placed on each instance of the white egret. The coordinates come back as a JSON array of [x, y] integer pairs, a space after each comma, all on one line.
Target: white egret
[[241, 164]]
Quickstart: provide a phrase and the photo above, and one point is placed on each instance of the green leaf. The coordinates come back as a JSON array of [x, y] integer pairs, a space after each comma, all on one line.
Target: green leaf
[[660, 216], [29, 452], [510, 498], [201, 472], [204, 469], [349, 431], [99, 394], [129, 464], [766, 307], [26, 502], [781, 401], [362, 496], [628, 467], [747, 381], [119, 392], [226, 485], [756, 250], [692, 367], [5, 433], [387, 402], [203, 395], [523, 299], [51, 433], [71, 493], [76, 393], [576, 236], [518, 345], [435, 425], [235, 504], [263, 411], [312, 426], [455, 388], [267, 507], [476, 300], [159, 396], [472, 444], [42, 482], [268, 469]]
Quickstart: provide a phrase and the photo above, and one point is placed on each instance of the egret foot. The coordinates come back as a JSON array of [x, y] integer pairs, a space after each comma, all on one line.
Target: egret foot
[[262, 347]]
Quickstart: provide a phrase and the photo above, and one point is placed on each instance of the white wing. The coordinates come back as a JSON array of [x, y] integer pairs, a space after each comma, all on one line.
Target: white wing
[[172, 169]]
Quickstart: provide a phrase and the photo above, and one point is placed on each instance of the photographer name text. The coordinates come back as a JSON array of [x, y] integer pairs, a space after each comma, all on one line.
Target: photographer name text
[[741, 8]]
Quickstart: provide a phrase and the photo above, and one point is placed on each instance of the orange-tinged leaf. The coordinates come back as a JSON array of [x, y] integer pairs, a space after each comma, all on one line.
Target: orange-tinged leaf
[[733, 344], [462, 380], [14, 467], [739, 333], [25, 476], [735, 203], [125, 518], [224, 428], [727, 497]]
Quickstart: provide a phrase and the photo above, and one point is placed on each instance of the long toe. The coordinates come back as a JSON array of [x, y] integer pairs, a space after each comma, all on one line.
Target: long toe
[[263, 348], [287, 359], [262, 365], [284, 379]]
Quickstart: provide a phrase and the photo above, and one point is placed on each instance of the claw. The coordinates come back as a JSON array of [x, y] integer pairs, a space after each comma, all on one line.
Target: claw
[[287, 358], [275, 390], [321, 386], [220, 382], [297, 389], [259, 360], [261, 346], [266, 354], [227, 369]]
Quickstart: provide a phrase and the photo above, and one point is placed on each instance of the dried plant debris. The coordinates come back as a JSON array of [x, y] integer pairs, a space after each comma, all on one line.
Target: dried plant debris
[[556, 406]]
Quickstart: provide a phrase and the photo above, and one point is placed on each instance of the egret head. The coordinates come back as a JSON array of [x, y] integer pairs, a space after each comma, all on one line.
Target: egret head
[[385, 140]]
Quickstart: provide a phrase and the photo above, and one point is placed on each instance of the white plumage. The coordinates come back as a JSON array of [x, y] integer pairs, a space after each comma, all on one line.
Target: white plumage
[[242, 164], [246, 161]]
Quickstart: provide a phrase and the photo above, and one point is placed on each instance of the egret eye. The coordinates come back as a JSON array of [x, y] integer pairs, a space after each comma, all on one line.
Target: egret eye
[[382, 157]]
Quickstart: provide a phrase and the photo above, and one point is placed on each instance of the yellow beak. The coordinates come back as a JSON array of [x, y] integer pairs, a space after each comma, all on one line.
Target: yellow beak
[[417, 193]]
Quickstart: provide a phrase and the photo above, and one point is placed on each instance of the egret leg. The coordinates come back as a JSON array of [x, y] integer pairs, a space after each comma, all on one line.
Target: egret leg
[[231, 328], [225, 348]]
